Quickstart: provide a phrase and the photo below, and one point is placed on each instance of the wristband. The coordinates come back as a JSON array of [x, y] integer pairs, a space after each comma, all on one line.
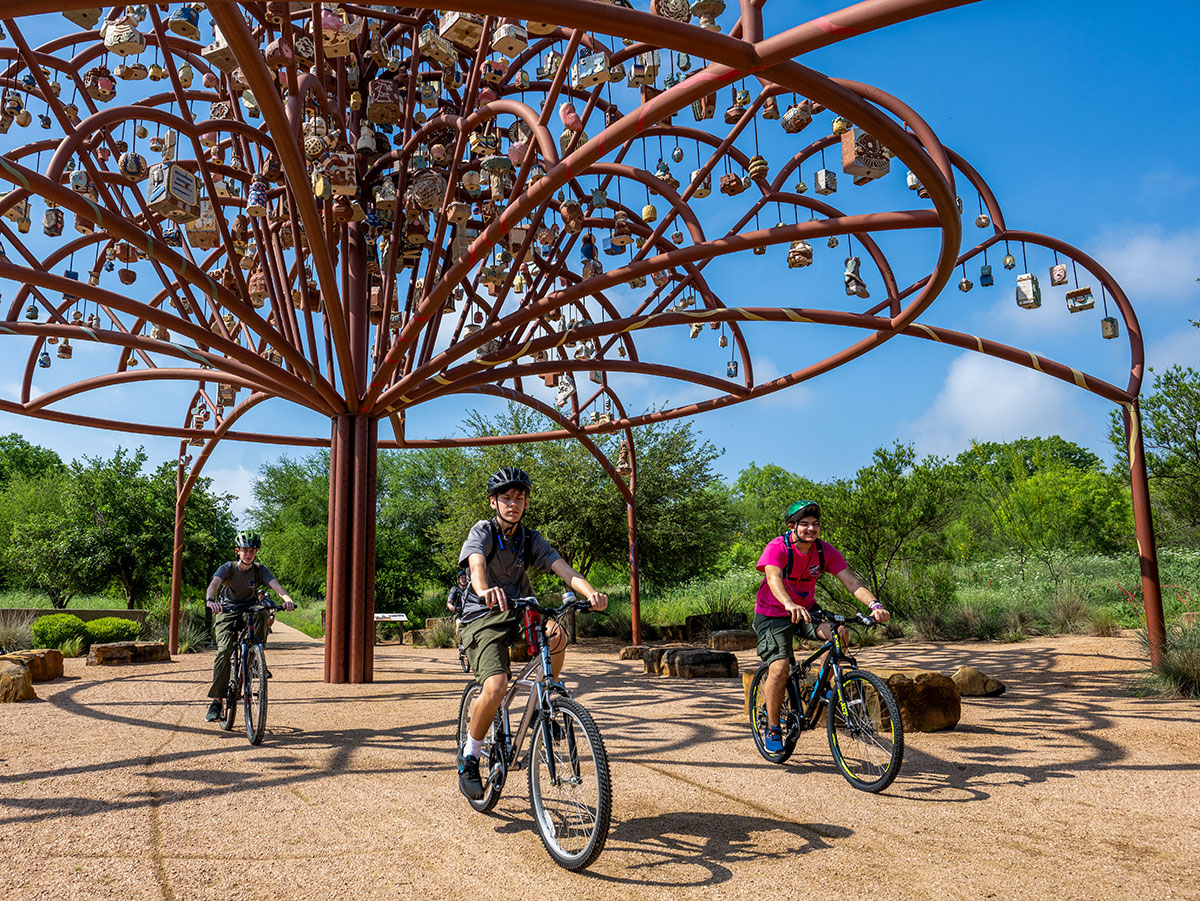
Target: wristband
[[875, 605]]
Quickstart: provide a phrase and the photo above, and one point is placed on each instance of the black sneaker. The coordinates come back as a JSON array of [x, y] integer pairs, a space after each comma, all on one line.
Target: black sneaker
[[469, 782], [214, 711]]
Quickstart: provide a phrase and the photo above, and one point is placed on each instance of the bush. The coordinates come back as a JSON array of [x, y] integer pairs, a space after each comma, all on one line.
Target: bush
[[1068, 611], [72, 647], [1179, 673], [440, 637], [1103, 622], [15, 632], [193, 636], [52, 630], [386, 631], [112, 628]]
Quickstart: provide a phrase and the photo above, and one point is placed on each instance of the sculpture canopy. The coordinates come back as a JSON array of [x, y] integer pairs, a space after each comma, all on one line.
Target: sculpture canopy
[[360, 209]]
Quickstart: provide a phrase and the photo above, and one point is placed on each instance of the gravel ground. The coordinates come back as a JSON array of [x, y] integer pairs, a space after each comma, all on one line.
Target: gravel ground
[[113, 786]]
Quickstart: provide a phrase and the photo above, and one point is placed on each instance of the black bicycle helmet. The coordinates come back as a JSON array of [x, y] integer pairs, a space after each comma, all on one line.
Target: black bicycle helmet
[[248, 539], [801, 509], [509, 477]]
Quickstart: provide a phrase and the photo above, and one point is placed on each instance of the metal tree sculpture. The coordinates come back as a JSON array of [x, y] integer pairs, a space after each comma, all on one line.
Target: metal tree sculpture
[[359, 209]]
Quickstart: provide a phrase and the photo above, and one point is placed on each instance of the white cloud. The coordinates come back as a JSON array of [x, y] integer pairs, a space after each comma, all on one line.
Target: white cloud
[[1150, 263], [992, 400], [237, 481]]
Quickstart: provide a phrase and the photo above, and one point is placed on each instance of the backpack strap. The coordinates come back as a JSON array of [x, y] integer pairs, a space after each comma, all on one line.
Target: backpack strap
[[787, 570], [526, 544], [257, 576]]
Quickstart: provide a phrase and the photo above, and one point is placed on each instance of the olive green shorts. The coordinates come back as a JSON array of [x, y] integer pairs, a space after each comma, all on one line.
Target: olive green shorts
[[486, 640], [775, 635]]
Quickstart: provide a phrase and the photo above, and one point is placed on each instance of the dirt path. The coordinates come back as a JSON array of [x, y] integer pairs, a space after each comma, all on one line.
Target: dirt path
[[113, 786]]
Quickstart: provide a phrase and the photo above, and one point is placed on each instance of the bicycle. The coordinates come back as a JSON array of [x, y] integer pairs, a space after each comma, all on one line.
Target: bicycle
[[569, 785], [866, 736], [248, 675]]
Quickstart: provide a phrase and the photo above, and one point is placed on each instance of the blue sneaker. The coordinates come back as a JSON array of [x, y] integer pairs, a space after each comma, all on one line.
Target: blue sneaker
[[774, 740]]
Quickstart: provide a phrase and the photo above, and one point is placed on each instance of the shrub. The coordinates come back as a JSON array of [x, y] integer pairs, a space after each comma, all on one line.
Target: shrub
[[15, 632], [112, 628], [1179, 673], [386, 631], [193, 636], [1103, 622], [439, 637], [71, 647], [52, 630], [1068, 611]]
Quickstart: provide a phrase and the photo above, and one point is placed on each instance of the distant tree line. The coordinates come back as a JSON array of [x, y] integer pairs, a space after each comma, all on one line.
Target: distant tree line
[[105, 525]]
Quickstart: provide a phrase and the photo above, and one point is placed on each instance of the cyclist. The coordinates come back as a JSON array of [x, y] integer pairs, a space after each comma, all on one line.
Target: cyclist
[[791, 565], [237, 584], [454, 603], [498, 554]]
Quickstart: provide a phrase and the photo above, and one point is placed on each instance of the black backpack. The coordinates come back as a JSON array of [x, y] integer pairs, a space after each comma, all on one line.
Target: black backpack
[[787, 570]]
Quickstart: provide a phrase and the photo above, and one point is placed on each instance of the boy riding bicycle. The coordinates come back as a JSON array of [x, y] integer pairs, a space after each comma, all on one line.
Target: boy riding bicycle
[[238, 583], [497, 554], [791, 565]]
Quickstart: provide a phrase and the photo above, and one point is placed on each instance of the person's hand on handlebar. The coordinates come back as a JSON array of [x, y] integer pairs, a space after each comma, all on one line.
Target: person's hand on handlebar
[[288, 603], [598, 601], [798, 613], [213, 604], [495, 597], [879, 613]]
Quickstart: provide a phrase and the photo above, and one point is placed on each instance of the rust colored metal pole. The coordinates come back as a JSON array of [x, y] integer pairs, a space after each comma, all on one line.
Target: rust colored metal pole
[[356, 582], [1156, 629], [330, 541], [635, 602], [369, 595], [337, 600], [176, 571]]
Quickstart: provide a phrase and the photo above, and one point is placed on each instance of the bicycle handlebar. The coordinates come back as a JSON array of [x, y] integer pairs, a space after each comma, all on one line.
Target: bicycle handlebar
[[824, 616], [264, 604], [532, 603]]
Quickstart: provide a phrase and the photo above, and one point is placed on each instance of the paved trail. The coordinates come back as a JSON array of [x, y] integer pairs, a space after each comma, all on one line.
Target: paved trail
[[113, 786]]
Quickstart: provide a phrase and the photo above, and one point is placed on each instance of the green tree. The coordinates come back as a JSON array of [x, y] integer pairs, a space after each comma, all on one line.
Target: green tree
[[1171, 435], [761, 496], [20, 458], [291, 512]]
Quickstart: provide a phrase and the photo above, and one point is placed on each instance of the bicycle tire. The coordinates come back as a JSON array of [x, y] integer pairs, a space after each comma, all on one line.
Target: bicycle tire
[[256, 694], [491, 790], [866, 736], [788, 720], [572, 813], [233, 693]]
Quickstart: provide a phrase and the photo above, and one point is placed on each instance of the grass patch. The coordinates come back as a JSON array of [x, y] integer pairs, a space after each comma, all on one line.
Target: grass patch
[[439, 637], [1178, 676], [72, 647], [16, 633], [306, 618]]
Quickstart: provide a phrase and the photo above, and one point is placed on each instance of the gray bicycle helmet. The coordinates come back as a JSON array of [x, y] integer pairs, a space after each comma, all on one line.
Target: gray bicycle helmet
[[509, 477], [248, 539]]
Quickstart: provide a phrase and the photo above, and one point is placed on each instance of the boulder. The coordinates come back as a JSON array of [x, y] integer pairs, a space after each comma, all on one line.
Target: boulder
[[120, 653], [44, 664], [691, 663], [16, 683], [733, 640], [697, 625], [974, 684], [436, 622], [929, 701], [673, 633], [518, 652], [633, 652]]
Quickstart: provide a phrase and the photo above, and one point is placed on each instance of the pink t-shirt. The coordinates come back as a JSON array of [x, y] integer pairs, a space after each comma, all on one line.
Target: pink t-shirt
[[803, 581]]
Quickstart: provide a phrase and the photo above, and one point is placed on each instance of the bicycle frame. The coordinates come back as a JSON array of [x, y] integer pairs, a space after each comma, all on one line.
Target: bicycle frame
[[242, 663], [831, 666]]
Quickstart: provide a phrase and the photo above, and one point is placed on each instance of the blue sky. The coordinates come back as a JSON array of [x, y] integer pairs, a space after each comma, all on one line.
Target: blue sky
[[1083, 120]]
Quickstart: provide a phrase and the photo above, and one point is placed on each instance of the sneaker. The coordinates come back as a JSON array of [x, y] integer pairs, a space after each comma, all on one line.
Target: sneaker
[[469, 782], [214, 711], [774, 740]]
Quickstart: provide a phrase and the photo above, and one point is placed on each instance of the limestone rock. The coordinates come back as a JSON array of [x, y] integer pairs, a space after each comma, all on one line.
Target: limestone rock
[[632, 652], [435, 622], [653, 657], [929, 701], [691, 663], [673, 633], [697, 625], [15, 682], [733, 640], [44, 664], [119, 653], [974, 684], [517, 652]]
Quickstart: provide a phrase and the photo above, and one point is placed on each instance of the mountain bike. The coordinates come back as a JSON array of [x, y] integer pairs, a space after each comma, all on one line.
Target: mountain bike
[[248, 675], [569, 785], [862, 719]]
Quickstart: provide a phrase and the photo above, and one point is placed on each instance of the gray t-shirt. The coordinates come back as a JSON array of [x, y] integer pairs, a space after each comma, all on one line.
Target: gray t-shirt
[[507, 568], [242, 588]]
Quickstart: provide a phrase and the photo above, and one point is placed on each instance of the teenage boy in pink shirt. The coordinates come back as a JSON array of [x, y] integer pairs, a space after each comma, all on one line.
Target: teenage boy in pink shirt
[[786, 598]]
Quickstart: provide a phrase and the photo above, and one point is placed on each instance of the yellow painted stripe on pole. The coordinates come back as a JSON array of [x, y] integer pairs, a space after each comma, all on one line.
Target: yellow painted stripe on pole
[[1033, 358], [927, 330], [1079, 379]]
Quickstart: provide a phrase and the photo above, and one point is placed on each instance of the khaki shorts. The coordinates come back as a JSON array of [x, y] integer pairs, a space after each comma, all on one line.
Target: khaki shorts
[[775, 635], [486, 639]]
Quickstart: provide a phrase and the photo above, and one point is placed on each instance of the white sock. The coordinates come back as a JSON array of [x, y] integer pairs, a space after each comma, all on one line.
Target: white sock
[[473, 747]]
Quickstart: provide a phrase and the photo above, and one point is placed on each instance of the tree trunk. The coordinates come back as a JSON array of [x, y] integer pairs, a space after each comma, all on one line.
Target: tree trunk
[[350, 564]]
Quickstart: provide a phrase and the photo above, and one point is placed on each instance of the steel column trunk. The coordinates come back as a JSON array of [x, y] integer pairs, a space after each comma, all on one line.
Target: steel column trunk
[[1147, 553]]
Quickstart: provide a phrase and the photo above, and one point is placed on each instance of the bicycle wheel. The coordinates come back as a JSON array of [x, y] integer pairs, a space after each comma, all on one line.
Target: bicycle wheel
[[865, 732], [573, 808], [788, 720], [234, 692], [491, 790], [256, 694]]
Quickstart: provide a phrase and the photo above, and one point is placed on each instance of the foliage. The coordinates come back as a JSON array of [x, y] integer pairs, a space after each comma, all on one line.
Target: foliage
[[291, 512], [15, 632], [73, 647], [305, 618], [761, 496], [111, 628], [52, 630], [441, 636], [20, 459], [193, 636], [1178, 675], [1171, 436]]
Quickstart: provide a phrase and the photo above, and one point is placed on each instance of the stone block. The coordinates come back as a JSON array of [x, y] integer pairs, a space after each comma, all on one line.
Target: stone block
[[44, 664], [747, 677], [633, 652], [517, 652], [691, 663], [928, 701], [653, 657], [697, 625], [974, 684], [673, 633], [435, 622], [733, 640], [16, 684], [121, 653]]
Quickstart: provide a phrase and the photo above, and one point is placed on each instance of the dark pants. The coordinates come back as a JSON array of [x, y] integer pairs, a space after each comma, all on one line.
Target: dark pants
[[227, 626]]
